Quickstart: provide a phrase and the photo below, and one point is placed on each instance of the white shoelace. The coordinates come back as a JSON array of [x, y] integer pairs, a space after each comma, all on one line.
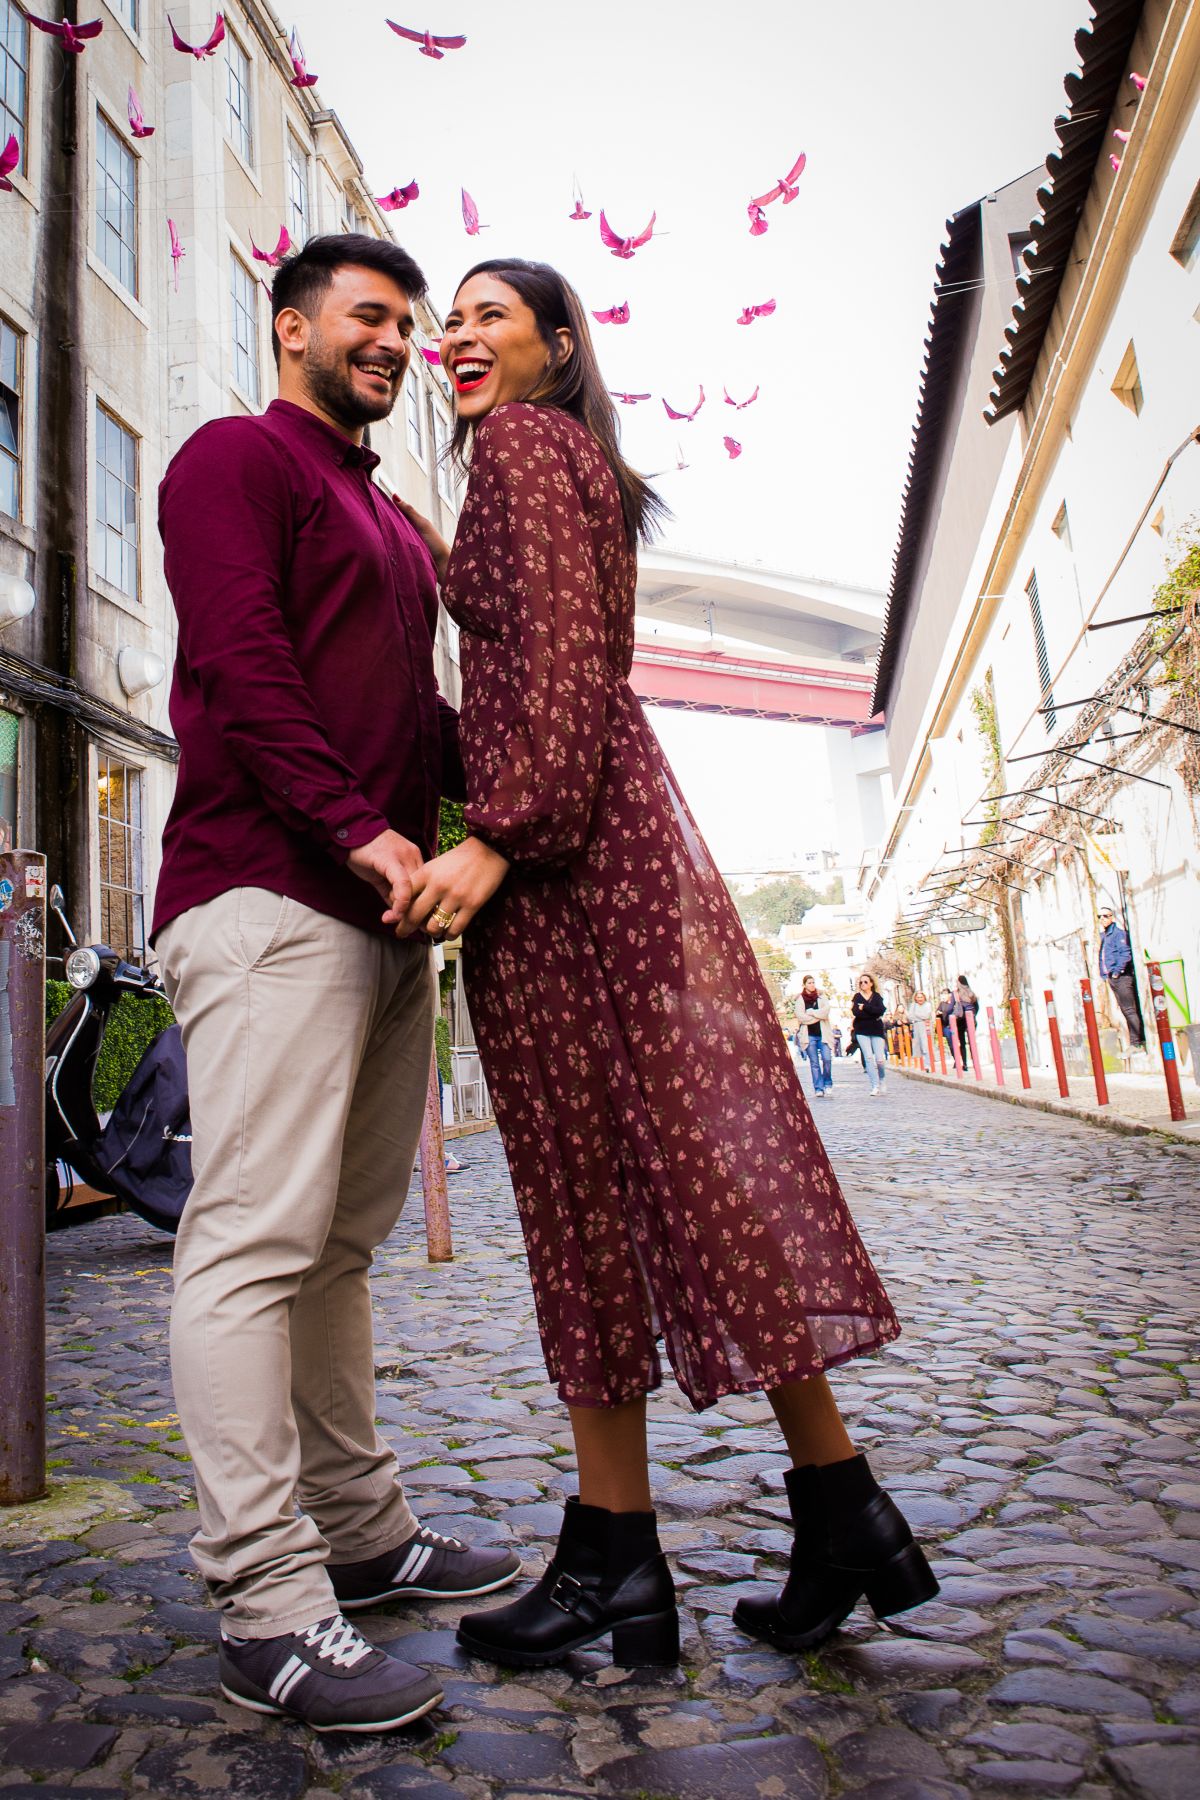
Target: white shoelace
[[429, 1536], [337, 1642]]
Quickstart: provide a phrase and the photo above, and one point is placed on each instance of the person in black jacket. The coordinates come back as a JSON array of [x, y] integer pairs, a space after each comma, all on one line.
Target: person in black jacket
[[868, 1008]]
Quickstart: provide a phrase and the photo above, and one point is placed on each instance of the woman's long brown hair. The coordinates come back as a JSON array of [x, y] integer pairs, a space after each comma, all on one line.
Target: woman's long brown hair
[[572, 383]]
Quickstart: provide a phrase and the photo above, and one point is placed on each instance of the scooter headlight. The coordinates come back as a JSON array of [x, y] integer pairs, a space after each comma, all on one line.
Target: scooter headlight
[[82, 968]]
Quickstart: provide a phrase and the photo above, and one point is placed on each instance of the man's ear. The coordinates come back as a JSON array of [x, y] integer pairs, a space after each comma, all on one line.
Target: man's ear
[[291, 328]]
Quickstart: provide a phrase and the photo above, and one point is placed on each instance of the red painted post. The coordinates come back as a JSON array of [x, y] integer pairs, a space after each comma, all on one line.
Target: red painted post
[[438, 1243], [969, 1016], [1060, 1067], [1093, 1038], [1014, 1007], [995, 1037], [908, 1046], [1166, 1042], [941, 1041], [955, 1047]]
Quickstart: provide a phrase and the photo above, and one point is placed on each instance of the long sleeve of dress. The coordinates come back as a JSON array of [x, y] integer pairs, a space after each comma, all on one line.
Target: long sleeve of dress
[[528, 540]]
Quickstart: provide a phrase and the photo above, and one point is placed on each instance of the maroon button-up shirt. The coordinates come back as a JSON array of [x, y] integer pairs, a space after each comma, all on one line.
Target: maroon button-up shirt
[[303, 698]]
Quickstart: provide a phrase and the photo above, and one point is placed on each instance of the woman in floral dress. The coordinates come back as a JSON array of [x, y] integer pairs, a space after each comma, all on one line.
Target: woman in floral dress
[[670, 1182]]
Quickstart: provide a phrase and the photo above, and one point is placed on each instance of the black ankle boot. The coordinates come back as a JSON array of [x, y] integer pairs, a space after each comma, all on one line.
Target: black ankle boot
[[607, 1574], [851, 1540]]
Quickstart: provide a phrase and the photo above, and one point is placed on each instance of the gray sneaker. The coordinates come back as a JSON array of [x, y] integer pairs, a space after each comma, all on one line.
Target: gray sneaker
[[427, 1566], [327, 1676]]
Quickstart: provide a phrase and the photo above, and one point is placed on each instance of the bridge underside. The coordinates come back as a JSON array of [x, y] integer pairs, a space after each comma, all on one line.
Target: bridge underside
[[750, 688], [796, 614]]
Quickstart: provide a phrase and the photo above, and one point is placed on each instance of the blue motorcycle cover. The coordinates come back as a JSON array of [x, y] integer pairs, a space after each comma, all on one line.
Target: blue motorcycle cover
[[146, 1147]]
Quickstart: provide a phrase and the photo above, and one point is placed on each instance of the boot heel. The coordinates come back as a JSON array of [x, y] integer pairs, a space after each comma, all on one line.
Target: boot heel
[[652, 1642], [907, 1580]]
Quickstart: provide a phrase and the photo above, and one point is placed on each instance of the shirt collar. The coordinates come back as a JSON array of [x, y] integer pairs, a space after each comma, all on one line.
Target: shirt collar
[[339, 448]]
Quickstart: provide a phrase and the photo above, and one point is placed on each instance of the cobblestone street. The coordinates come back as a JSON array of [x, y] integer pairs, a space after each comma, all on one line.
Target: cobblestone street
[[1037, 1421]]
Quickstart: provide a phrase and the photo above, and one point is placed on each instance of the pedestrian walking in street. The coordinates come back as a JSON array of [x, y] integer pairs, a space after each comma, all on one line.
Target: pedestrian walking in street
[[922, 1026], [870, 1031], [314, 746], [1116, 967], [812, 1021], [669, 1176], [965, 1002], [837, 1040]]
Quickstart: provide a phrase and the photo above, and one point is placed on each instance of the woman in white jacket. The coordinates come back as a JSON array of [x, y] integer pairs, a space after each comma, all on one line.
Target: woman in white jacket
[[812, 1029]]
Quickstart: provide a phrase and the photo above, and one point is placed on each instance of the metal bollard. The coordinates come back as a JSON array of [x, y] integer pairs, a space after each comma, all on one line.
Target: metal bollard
[[1014, 1007], [995, 1037], [955, 1047], [433, 1174], [1060, 1067], [1093, 1038], [1166, 1042], [22, 1176], [941, 1041], [969, 1016]]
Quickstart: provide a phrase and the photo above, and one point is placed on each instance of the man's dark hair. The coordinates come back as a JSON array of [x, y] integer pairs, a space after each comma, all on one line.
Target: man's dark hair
[[303, 280]]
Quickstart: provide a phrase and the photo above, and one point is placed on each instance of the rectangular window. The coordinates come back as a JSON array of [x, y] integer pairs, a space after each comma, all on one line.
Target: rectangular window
[[1042, 654], [245, 329], [11, 347], [129, 10], [1187, 238], [10, 740], [116, 204], [1128, 383], [14, 76], [116, 508], [1018, 243], [414, 414], [240, 121], [441, 452], [122, 882], [297, 182]]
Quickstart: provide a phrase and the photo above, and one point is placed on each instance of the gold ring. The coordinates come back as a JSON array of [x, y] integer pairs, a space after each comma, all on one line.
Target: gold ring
[[442, 919]]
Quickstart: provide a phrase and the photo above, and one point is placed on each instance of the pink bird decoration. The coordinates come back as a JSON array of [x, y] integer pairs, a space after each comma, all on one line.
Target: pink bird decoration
[[274, 257], [430, 45], [212, 43], [301, 77], [733, 447], [580, 210], [1122, 135], [10, 156], [741, 405], [1115, 164], [613, 315], [625, 247], [399, 198], [177, 250], [470, 214], [73, 38], [689, 416], [628, 399], [1139, 81], [137, 123], [758, 219], [785, 187], [680, 463], [750, 313], [432, 356]]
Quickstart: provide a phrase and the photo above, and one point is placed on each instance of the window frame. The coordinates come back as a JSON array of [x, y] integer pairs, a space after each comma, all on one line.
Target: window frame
[[102, 537], [1041, 652], [9, 120], [414, 391], [106, 130], [297, 164], [252, 393], [443, 473], [134, 891], [239, 131], [20, 358]]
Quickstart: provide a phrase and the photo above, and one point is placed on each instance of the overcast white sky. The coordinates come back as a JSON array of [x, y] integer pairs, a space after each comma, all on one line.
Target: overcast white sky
[[907, 112]]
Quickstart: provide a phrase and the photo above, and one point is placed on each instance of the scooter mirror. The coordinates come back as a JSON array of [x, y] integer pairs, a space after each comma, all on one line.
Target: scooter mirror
[[57, 902]]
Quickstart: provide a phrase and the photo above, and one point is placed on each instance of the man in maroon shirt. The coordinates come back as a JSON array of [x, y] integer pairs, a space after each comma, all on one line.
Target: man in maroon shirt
[[313, 749]]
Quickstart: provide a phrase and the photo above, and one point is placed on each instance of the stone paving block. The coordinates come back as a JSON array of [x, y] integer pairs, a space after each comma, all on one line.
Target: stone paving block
[[886, 1750], [398, 1781], [228, 1766], [742, 1771], [63, 1746], [1072, 1693], [1041, 1777], [1156, 1771], [511, 1757]]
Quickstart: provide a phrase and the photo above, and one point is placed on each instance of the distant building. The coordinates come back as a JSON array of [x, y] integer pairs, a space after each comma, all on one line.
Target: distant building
[[111, 354], [829, 944], [1043, 717]]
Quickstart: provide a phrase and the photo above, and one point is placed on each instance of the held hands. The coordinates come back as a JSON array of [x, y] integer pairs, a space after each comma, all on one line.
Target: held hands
[[390, 864], [429, 534], [452, 886]]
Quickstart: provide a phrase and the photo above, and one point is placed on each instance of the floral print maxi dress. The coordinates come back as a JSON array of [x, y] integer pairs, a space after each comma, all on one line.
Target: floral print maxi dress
[[669, 1178]]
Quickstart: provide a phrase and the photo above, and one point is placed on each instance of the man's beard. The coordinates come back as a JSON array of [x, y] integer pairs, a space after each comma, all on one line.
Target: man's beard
[[331, 386]]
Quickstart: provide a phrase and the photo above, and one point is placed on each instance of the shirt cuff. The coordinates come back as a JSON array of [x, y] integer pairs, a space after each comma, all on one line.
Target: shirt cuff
[[350, 824]]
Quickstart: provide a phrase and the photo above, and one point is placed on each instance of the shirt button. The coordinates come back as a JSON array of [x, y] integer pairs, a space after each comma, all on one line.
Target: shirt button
[[343, 833], [287, 790]]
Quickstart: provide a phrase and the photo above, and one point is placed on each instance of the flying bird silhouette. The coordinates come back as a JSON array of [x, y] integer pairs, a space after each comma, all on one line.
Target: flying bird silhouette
[[750, 313], [741, 405], [580, 210], [1122, 135], [785, 187], [470, 214], [10, 156], [215, 39], [689, 416], [274, 257], [733, 447], [430, 45], [625, 247], [627, 399], [399, 198], [300, 77], [137, 124], [613, 315], [73, 38], [1139, 81], [1115, 163], [177, 251], [432, 356], [758, 219]]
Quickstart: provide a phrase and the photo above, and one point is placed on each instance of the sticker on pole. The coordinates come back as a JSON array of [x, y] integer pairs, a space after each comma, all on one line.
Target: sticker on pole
[[6, 894], [35, 881]]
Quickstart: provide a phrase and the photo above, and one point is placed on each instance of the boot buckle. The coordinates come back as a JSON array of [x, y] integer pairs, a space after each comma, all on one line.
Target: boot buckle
[[566, 1593]]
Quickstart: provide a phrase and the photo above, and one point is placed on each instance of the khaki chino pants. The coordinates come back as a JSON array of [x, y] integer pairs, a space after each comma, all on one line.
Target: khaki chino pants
[[308, 1048]]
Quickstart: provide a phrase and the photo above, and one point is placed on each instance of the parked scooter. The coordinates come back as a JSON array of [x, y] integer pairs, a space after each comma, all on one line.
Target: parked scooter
[[141, 1158]]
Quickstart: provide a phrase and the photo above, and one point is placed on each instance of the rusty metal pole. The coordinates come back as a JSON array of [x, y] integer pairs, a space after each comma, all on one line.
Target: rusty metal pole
[[22, 1176], [1166, 1042], [1093, 1038], [1060, 1067], [433, 1174], [997, 1064], [1014, 1007]]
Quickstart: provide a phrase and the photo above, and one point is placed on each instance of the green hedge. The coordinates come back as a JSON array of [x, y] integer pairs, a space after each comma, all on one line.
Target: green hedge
[[133, 1024], [441, 1042]]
